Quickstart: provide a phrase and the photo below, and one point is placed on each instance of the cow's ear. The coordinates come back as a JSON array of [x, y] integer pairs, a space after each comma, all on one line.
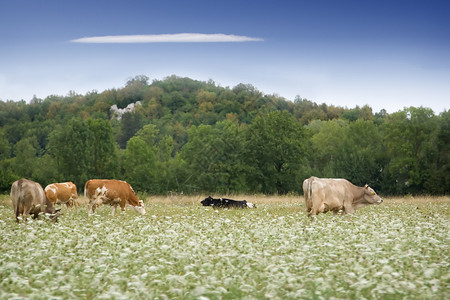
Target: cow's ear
[[366, 186]]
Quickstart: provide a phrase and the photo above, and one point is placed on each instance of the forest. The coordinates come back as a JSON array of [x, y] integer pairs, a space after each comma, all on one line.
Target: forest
[[189, 136]]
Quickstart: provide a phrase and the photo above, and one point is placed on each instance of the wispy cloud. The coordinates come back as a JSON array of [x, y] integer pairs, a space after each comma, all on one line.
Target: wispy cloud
[[167, 38]]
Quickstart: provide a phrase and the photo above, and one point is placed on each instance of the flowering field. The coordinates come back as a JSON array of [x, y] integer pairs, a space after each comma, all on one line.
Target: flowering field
[[181, 250]]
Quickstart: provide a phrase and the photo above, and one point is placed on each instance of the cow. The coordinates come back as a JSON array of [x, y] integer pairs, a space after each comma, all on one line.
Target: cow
[[62, 193], [335, 194], [112, 192], [28, 198], [224, 202]]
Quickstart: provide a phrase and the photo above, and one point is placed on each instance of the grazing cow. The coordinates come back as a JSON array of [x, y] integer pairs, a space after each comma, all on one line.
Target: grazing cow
[[62, 193], [28, 197], [224, 202], [112, 192], [327, 194]]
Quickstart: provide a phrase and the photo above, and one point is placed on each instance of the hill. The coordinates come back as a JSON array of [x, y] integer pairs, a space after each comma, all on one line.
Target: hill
[[183, 135]]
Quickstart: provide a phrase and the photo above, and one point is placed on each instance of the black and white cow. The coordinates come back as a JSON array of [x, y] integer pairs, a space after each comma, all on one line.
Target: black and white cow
[[224, 202]]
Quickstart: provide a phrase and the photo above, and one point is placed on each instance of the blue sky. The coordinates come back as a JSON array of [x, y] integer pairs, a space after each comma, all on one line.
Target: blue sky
[[387, 54]]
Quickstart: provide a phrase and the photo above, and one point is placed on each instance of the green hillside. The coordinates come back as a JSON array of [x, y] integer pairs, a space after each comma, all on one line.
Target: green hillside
[[183, 135]]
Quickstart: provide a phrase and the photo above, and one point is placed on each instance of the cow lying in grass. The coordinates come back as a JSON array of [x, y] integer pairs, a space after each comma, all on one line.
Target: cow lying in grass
[[226, 203]]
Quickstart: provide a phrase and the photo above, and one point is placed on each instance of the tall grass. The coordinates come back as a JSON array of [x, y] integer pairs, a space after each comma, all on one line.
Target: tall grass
[[181, 250]]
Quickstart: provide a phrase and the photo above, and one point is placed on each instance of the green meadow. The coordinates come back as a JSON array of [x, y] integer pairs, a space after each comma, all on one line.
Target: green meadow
[[181, 250]]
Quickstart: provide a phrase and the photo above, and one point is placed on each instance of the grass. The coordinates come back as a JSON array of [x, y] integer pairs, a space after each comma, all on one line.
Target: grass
[[181, 250]]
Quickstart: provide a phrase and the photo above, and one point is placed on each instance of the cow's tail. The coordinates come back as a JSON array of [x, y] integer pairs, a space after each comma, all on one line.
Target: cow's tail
[[18, 209], [308, 194], [19, 200], [310, 189], [85, 188]]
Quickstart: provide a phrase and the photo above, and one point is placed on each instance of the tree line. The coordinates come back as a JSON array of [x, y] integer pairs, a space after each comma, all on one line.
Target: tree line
[[198, 137]]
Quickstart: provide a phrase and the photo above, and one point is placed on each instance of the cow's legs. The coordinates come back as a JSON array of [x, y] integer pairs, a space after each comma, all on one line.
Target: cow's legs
[[93, 205], [90, 208], [69, 203], [316, 208], [16, 211], [114, 207], [17, 214], [25, 213], [123, 205], [348, 208], [335, 212], [75, 203], [72, 202]]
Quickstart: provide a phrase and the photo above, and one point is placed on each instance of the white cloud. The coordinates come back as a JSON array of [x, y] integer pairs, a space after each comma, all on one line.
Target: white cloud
[[168, 38]]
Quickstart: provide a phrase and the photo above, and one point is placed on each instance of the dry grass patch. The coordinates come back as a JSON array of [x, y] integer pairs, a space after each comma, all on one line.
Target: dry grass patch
[[420, 200]]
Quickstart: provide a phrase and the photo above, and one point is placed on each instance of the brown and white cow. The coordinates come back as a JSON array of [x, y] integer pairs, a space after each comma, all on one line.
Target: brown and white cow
[[62, 193], [28, 197], [334, 194], [112, 192]]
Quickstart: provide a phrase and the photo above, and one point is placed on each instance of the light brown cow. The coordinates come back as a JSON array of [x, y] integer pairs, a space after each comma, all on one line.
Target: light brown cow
[[112, 192], [329, 194], [62, 193], [28, 197]]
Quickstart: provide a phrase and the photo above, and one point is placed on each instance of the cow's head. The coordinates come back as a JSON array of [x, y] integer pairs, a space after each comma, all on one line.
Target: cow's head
[[50, 210], [140, 207], [370, 196], [207, 201], [54, 216]]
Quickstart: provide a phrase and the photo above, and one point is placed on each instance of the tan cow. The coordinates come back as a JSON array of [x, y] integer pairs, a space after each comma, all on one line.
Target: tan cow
[[329, 194], [112, 192], [62, 193], [28, 197]]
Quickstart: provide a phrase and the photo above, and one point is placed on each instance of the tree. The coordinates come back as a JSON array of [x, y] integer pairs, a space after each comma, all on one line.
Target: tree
[[45, 170], [213, 158], [274, 150], [350, 150], [174, 101], [84, 150], [327, 137], [5, 147], [130, 124], [359, 155], [253, 142], [438, 182], [139, 164], [147, 160], [25, 154], [411, 140], [104, 160], [133, 91], [7, 175], [167, 177]]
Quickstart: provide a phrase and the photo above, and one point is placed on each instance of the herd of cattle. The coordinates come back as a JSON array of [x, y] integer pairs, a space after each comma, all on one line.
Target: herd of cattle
[[29, 198], [321, 195]]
